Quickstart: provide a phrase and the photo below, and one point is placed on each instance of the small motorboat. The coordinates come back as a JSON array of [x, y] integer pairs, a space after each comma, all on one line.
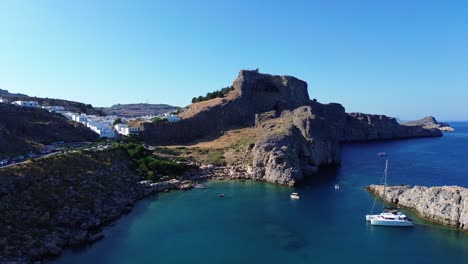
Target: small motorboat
[[337, 187], [221, 195], [382, 154], [295, 196]]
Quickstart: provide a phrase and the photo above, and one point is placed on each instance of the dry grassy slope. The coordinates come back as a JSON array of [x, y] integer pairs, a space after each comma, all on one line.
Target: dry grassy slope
[[25, 129], [234, 145], [196, 108]]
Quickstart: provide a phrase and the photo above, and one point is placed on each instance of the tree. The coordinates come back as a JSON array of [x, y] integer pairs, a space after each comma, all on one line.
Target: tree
[[117, 121]]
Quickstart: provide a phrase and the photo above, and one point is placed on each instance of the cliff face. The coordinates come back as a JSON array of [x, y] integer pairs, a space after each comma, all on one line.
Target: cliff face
[[253, 93], [365, 127], [294, 135], [446, 204], [294, 145]]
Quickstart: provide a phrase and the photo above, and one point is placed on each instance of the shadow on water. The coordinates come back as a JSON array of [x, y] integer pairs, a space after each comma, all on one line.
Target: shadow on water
[[119, 227], [326, 175]]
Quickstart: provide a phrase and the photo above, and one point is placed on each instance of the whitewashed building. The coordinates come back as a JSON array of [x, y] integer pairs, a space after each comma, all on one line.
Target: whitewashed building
[[54, 108], [172, 118], [80, 118], [102, 129], [126, 130], [26, 103], [3, 100]]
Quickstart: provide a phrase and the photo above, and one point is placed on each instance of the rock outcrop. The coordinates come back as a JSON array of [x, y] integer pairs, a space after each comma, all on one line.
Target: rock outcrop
[[294, 135], [447, 205], [429, 122], [253, 93], [293, 145], [366, 127]]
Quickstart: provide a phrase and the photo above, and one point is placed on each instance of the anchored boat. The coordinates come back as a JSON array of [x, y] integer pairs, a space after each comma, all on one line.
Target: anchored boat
[[389, 216], [295, 196]]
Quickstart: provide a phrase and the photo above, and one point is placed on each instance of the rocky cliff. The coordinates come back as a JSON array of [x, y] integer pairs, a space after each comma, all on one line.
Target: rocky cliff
[[447, 205], [253, 93], [429, 122], [292, 145], [62, 201], [366, 127], [293, 135]]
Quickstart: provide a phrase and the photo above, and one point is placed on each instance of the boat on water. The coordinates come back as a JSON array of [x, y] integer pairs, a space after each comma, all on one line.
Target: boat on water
[[294, 196], [382, 154], [337, 187], [221, 195], [199, 186], [389, 216]]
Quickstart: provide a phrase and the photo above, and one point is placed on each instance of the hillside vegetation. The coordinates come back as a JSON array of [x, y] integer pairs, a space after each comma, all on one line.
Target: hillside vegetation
[[62, 200], [150, 166], [68, 105], [29, 129], [216, 94]]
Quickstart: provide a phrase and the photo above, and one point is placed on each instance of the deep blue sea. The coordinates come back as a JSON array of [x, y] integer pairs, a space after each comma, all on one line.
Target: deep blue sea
[[259, 223]]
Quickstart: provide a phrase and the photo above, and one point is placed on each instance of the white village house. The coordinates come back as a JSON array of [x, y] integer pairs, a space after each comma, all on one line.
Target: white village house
[[54, 108], [125, 129], [3, 100], [172, 118], [26, 103]]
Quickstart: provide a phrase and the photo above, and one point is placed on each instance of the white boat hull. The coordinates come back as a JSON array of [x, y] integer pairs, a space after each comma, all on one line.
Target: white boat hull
[[370, 217], [386, 222]]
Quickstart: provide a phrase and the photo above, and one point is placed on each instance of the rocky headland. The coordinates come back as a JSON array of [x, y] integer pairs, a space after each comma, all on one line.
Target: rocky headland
[[292, 135], [446, 205], [429, 122]]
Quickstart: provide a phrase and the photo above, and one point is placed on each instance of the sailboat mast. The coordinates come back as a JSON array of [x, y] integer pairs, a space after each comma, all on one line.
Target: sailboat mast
[[385, 181]]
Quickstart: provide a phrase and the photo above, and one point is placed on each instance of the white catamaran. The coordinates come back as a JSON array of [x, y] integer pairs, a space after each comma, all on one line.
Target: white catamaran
[[389, 216]]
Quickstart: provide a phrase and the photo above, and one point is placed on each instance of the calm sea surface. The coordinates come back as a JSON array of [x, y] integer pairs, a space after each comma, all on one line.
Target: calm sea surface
[[259, 223]]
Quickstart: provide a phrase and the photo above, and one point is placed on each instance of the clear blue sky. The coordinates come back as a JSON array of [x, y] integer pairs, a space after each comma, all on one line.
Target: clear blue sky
[[401, 58]]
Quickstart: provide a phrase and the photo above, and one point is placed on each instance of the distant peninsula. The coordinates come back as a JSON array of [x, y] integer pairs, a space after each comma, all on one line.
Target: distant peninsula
[[430, 122]]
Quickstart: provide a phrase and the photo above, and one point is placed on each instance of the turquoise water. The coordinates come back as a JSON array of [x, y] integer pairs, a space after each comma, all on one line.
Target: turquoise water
[[259, 223]]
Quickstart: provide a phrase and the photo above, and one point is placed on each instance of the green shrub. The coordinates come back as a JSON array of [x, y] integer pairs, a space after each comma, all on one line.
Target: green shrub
[[150, 166], [218, 93], [218, 158]]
